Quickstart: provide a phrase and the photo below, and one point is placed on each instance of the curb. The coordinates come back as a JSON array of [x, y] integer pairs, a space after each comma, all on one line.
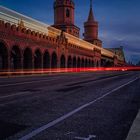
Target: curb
[[134, 133]]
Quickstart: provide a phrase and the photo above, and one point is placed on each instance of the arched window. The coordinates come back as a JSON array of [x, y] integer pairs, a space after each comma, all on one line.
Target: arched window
[[67, 13]]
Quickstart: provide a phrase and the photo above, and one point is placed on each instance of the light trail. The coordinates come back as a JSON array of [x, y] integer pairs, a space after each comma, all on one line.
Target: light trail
[[65, 70]]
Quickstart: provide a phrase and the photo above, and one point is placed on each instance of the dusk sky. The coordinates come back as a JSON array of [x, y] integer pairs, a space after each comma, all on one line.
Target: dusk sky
[[119, 20]]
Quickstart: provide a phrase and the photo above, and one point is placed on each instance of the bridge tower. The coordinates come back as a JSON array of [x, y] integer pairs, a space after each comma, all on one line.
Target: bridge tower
[[64, 17], [91, 29]]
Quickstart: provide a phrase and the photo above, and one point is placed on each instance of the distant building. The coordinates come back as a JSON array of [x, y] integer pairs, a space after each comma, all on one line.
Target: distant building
[[26, 43], [119, 53]]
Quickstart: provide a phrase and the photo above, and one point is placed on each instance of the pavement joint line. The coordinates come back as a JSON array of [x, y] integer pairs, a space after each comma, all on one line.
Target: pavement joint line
[[60, 119]]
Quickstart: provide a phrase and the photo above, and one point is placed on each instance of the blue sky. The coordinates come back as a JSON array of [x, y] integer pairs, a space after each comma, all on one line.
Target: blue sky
[[119, 20]]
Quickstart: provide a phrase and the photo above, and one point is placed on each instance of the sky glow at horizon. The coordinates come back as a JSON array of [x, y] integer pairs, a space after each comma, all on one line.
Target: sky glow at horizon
[[119, 20]]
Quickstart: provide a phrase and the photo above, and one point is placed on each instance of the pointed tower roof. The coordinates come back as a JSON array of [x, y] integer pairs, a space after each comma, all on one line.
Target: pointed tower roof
[[91, 16]]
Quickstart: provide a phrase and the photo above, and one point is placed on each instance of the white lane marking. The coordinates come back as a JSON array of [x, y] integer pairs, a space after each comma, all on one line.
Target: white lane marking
[[82, 138], [16, 94], [58, 120], [29, 82], [11, 102]]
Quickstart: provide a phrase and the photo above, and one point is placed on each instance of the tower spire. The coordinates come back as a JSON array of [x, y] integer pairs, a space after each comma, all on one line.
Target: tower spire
[[91, 16], [91, 28], [90, 3]]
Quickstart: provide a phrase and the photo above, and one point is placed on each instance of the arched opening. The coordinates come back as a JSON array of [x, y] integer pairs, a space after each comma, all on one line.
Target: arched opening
[[69, 62], [3, 57], [67, 13], [89, 63], [62, 61], [103, 62], [54, 60], [74, 62], [37, 59], [15, 58], [108, 64], [46, 60], [86, 63], [27, 59], [78, 63], [92, 63], [97, 64], [82, 64]]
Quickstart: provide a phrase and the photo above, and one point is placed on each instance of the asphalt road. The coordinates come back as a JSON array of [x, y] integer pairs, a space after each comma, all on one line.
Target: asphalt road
[[88, 106]]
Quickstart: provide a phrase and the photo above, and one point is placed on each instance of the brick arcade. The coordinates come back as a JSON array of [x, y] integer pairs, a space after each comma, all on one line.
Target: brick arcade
[[29, 44]]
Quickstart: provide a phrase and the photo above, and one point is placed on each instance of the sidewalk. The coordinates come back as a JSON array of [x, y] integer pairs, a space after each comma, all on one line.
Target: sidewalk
[[134, 133]]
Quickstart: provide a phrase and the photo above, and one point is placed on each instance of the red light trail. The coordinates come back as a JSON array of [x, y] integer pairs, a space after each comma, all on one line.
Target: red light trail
[[65, 70]]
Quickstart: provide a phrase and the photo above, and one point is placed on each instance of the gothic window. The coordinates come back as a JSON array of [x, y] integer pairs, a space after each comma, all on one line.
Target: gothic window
[[67, 13]]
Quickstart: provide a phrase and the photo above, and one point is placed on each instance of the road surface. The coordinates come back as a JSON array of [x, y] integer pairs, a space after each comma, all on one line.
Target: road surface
[[88, 106]]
